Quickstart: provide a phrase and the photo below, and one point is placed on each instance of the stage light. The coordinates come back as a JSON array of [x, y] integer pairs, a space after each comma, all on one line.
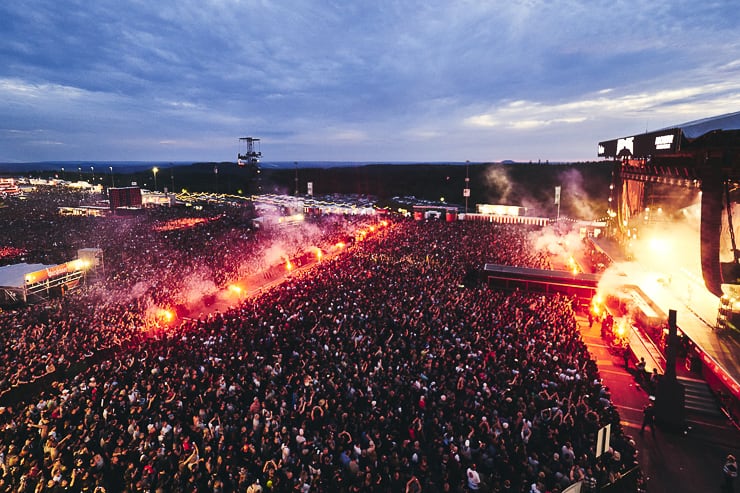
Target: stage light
[[658, 245], [81, 264]]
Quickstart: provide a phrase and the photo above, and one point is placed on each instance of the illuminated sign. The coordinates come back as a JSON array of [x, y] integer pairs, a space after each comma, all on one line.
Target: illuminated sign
[[466, 192], [602, 150], [56, 270], [501, 210], [664, 141], [626, 143]]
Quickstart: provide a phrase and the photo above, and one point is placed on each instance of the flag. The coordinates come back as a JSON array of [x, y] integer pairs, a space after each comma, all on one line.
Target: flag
[[557, 195]]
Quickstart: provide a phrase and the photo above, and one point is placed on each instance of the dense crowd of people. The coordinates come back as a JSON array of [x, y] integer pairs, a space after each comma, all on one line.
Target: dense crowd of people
[[165, 257], [379, 369]]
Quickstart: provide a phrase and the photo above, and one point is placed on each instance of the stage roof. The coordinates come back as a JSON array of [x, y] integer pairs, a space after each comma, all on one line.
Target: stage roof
[[14, 276], [716, 131]]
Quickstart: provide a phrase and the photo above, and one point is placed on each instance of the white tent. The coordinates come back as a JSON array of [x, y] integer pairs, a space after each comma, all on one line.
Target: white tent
[[14, 276]]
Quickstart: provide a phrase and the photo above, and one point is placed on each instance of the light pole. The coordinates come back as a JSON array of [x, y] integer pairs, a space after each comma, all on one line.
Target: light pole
[[112, 178], [79, 168], [155, 170], [63, 178], [92, 180], [466, 191]]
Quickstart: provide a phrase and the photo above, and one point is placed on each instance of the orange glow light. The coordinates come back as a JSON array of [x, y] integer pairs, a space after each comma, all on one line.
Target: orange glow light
[[164, 315], [620, 330], [183, 223], [573, 265], [596, 305]]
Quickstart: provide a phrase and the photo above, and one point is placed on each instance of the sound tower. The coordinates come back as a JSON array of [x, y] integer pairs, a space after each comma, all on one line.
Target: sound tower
[[670, 395], [711, 226]]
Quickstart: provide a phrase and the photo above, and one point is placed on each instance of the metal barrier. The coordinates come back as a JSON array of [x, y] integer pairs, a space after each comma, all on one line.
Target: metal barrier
[[631, 481]]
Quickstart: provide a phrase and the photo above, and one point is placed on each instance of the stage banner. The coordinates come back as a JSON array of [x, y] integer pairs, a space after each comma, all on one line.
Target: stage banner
[[57, 270]]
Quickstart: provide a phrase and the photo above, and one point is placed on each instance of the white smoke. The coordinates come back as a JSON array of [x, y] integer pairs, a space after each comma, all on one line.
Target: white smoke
[[498, 179], [562, 245], [574, 193], [662, 255], [196, 286]]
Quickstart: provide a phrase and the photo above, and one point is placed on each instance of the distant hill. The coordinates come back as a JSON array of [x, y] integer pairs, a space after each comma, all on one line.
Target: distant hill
[[134, 166], [585, 186], [84, 166]]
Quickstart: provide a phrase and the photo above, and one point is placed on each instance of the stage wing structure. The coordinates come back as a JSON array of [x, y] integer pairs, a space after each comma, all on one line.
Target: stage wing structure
[[701, 155]]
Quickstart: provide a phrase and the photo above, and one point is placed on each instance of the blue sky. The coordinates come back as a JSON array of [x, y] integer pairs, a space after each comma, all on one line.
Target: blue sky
[[356, 80]]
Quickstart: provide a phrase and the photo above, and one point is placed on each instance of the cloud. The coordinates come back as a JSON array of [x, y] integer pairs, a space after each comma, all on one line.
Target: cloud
[[348, 135], [20, 91], [534, 79], [47, 143], [687, 101]]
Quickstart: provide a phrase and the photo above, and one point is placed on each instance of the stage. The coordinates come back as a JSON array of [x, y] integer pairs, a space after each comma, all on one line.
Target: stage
[[696, 314]]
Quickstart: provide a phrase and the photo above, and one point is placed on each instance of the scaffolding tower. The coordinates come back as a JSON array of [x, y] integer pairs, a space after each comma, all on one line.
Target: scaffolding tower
[[249, 154]]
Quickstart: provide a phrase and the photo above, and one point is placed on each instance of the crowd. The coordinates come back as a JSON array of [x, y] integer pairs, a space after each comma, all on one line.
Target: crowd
[[375, 370], [146, 264]]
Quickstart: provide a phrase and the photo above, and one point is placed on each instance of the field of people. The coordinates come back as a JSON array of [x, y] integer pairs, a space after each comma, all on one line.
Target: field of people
[[378, 369]]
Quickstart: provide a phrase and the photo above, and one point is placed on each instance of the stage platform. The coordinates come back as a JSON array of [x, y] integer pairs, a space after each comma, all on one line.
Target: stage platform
[[696, 315]]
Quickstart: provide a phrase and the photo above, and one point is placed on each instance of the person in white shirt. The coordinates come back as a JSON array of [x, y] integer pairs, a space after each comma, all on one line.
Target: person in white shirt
[[473, 478]]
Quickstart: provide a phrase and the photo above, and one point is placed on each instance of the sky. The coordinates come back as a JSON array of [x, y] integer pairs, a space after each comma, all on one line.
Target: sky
[[377, 81]]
